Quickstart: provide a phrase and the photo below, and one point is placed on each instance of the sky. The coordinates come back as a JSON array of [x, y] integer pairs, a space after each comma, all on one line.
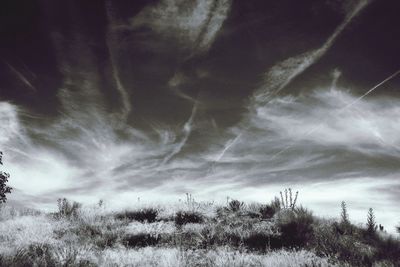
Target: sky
[[119, 100]]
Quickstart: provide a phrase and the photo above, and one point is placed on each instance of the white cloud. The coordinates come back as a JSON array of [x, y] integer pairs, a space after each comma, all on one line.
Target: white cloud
[[283, 73], [368, 125], [194, 24]]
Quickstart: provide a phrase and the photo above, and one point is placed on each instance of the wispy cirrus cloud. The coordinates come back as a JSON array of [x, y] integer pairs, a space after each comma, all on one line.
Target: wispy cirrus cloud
[[89, 152], [284, 72], [193, 24]]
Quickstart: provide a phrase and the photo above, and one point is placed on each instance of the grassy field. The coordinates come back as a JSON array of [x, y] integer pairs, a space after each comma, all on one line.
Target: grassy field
[[189, 233]]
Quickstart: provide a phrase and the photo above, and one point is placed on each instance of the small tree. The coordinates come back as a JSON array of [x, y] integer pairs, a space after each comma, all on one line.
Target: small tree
[[371, 223], [344, 215], [4, 188], [345, 224]]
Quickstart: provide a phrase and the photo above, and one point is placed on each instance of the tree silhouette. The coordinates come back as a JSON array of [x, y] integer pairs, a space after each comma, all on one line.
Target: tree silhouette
[[344, 215], [371, 224], [4, 188]]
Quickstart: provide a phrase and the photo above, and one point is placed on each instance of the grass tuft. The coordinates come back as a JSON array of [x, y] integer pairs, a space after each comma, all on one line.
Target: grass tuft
[[143, 215], [185, 217]]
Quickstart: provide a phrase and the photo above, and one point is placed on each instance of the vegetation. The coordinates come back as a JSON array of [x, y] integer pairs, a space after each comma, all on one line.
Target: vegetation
[[288, 202], [142, 215], [66, 209], [371, 224], [4, 188], [185, 217], [190, 233]]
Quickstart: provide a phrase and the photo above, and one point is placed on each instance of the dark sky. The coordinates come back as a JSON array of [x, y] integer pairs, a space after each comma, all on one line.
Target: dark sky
[[212, 97], [39, 36]]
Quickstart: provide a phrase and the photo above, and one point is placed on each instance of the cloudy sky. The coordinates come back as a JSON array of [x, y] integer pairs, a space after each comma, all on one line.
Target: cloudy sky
[[119, 99]]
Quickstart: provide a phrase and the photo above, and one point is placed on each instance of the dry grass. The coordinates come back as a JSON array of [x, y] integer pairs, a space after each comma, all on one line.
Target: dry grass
[[236, 235]]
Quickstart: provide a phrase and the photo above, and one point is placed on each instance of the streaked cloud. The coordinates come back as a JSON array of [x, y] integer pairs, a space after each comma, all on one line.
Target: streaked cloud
[[284, 72], [309, 141], [193, 24]]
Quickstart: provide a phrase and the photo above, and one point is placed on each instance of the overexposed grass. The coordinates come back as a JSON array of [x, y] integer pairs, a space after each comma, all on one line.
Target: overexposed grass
[[25, 230], [224, 238], [154, 229], [220, 257]]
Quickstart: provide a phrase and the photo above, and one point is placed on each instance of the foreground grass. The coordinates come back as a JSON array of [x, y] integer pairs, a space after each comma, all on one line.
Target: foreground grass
[[188, 234]]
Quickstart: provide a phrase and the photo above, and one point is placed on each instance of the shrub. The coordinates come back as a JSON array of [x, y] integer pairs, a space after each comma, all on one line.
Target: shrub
[[388, 249], [107, 239], [102, 235], [87, 230], [253, 210], [268, 211], [45, 255], [4, 188], [235, 205], [212, 235], [143, 215], [371, 224], [344, 248], [296, 227], [67, 209], [34, 255], [184, 217], [140, 240], [262, 241], [231, 238], [185, 240]]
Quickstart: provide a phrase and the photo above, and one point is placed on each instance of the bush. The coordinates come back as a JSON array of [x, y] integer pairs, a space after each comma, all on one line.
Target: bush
[[262, 241], [184, 217], [140, 240], [44, 255], [67, 209], [358, 249], [388, 249], [102, 235], [212, 235], [185, 240], [296, 227], [269, 210], [346, 248], [235, 205], [4, 188], [143, 215], [107, 239], [34, 255], [87, 230]]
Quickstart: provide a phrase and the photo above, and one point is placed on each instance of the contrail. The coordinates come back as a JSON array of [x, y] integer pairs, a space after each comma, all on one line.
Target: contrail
[[283, 73], [229, 145], [187, 129], [21, 77], [110, 40], [340, 111]]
